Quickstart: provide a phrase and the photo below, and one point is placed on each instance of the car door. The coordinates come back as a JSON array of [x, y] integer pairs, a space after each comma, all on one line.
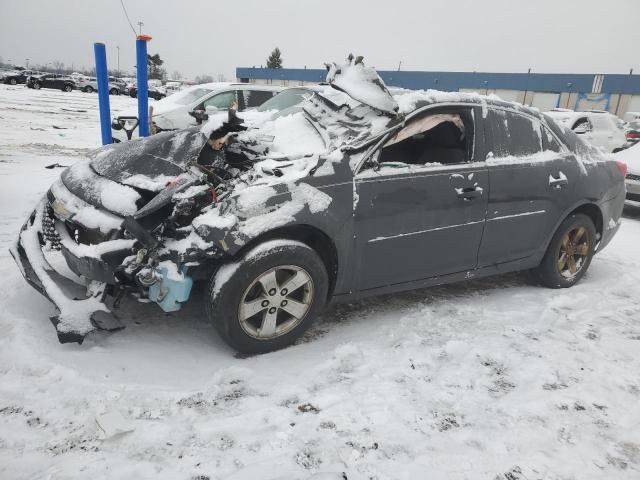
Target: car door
[[416, 219], [532, 179]]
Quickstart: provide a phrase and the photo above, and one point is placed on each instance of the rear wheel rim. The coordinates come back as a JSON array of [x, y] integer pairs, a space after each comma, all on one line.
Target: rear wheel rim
[[276, 302], [574, 252]]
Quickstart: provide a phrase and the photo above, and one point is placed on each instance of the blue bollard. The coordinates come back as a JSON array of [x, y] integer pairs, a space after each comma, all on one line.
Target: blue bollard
[[103, 92], [143, 87]]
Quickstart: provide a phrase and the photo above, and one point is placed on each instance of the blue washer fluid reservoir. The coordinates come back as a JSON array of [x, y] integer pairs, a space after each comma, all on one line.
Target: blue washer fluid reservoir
[[173, 288]]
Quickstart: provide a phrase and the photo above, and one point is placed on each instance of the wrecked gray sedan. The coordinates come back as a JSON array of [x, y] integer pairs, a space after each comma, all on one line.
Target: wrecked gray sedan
[[356, 192]]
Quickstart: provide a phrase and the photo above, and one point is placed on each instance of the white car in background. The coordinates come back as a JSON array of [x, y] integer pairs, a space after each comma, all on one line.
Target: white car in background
[[176, 111], [598, 127], [90, 84], [631, 157]]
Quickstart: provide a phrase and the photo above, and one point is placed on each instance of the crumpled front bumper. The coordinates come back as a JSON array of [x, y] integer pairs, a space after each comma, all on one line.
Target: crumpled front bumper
[[81, 310]]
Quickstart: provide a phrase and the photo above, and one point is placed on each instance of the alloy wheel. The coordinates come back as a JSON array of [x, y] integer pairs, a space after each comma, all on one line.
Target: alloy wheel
[[574, 251], [276, 302]]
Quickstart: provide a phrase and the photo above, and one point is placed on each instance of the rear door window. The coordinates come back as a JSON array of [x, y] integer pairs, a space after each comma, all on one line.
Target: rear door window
[[514, 134]]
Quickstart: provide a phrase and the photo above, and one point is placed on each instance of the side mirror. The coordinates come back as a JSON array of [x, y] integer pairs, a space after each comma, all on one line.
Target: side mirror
[[582, 129], [200, 116]]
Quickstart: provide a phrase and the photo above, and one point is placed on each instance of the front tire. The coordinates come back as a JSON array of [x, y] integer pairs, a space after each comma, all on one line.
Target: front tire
[[37, 86], [269, 297], [114, 91], [569, 254], [88, 89], [13, 81]]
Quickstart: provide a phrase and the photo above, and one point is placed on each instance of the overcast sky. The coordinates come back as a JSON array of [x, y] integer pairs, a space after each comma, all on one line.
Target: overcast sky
[[215, 36]]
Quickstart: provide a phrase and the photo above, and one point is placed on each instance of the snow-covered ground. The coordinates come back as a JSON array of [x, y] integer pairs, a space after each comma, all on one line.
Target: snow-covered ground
[[489, 379]]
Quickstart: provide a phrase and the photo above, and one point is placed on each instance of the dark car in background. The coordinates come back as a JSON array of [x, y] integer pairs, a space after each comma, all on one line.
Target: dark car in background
[[357, 195], [155, 92], [18, 77], [51, 80]]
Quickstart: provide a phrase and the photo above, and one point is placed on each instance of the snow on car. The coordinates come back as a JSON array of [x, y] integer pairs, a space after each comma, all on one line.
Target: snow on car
[[325, 203]]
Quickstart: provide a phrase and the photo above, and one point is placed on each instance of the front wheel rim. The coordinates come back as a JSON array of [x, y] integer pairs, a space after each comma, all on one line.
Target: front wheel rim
[[574, 252], [276, 302]]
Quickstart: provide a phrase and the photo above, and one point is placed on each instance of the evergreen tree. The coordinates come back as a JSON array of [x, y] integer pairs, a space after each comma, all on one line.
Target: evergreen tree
[[154, 67], [275, 59]]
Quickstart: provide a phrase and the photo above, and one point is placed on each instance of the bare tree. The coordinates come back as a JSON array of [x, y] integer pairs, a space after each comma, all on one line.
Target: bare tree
[[58, 65], [203, 79], [176, 75], [221, 77]]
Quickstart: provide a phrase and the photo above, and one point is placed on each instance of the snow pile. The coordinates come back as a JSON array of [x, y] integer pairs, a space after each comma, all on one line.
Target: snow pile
[[82, 212], [98, 190], [362, 84], [409, 100], [145, 182], [292, 136]]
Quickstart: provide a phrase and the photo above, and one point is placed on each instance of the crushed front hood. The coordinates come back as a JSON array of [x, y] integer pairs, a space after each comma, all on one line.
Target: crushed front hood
[[166, 153], [116, 176]]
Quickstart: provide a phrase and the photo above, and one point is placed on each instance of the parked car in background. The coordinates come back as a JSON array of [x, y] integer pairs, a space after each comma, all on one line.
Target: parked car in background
[[631, 116], [172, 87], [599, 128], [177, 111], [375, 195], [156, 92], [18, 76], [631, 157], [632, 131], [90, 84], [51, 80]]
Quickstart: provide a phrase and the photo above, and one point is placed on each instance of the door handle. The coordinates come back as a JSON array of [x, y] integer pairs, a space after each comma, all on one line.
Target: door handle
[[559, 181], [469, 193]]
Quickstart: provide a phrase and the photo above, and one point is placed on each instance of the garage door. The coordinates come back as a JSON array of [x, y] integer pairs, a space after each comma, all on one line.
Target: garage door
[[545, 101]]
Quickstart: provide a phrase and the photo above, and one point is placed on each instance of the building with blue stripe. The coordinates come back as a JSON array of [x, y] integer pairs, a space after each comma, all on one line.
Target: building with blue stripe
[[616, 93]]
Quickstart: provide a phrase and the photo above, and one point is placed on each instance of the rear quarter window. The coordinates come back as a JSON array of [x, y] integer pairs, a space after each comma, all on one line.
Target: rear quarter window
[[513, 134]]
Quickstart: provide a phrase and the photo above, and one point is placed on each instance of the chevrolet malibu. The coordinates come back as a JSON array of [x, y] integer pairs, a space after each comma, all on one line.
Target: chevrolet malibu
[[355, 193]]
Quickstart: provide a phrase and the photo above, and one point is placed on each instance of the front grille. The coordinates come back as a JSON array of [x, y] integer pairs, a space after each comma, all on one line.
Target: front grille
[[49, 228], [632, 176]]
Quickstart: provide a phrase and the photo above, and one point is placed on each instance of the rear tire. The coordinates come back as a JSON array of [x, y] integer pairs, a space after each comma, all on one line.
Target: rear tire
[[569, 254], [67, 88], [114, 91], [249, 303], [88, 89]]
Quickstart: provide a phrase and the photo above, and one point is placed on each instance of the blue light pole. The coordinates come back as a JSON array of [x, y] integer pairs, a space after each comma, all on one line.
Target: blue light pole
[[100, 53], [143, 87]]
